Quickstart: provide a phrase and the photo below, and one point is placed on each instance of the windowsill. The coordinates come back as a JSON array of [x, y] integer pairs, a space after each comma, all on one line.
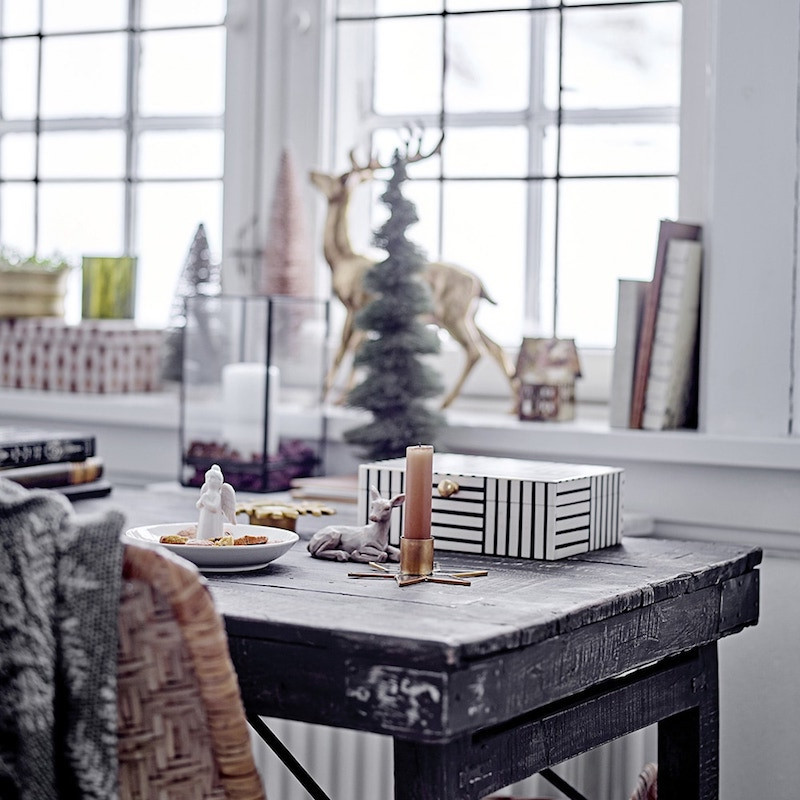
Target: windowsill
[[474, 426], [692, 485]]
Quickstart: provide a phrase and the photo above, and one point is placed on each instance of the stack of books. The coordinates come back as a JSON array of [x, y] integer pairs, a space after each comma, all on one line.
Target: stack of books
[[656, 359], [65, 461]]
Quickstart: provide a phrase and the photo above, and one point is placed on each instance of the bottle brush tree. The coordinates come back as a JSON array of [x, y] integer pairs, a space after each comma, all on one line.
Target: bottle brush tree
[[397, 382]]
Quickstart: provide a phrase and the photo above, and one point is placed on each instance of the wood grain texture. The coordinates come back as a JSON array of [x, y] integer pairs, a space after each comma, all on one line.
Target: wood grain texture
[[473, 766]]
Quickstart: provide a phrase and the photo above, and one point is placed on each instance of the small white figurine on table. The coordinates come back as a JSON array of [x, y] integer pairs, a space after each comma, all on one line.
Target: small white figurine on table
[[217, 505], [363, 543]]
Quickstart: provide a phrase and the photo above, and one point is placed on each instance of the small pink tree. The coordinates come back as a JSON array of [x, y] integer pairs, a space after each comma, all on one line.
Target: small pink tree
[[287, 266]]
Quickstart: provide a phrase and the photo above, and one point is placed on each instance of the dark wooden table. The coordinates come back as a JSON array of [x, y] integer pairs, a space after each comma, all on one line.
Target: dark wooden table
[[484, 685]]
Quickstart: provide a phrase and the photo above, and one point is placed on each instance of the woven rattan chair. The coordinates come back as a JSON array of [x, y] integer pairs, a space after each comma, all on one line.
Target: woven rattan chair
[[182, 728]]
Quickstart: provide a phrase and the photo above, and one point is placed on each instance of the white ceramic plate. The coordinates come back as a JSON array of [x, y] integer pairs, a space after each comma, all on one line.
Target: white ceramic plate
[[235, 558]]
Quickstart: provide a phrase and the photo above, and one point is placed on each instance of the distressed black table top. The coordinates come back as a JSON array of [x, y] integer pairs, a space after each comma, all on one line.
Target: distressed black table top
[[434, 661]]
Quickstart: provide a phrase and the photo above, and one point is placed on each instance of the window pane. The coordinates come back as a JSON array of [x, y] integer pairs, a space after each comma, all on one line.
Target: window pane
[[181, 154], [18, 155], [182, 72], [84, 15], [618, 57], [488, 62], [20, 68], [83, 76], [157, 13], [608, 230], [19, 16], [168, 218], [427, 198], [484, 228], [619, 149], [79, 219], [489, 152], [406, 85], [379, 7], [16, 217], [488, 5], [88, 154], [605, 2]]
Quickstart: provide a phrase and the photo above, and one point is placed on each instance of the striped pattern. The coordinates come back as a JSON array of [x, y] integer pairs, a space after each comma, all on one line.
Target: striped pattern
[[564, 512]]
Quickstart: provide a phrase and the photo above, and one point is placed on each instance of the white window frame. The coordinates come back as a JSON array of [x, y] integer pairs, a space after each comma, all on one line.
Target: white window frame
[[130, 123]]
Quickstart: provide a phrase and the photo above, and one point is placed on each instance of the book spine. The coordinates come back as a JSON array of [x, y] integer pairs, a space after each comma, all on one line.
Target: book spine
[[668, 229], [65, 473], [55, 450], [669, 401], [631, 298]]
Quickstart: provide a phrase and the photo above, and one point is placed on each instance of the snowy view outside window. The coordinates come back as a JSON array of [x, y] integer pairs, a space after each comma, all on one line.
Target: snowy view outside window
[[561, 143]]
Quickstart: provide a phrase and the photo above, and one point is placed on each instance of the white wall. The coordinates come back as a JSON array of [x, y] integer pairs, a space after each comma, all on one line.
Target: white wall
[[760, 693]]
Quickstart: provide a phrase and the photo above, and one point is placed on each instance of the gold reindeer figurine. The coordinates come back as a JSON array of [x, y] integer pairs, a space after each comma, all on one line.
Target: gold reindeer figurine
[[456, 292]]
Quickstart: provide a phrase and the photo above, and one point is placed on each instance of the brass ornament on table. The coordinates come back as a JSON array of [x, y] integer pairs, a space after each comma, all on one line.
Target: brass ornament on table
[[418, 566], [278, 514], [447, 487]]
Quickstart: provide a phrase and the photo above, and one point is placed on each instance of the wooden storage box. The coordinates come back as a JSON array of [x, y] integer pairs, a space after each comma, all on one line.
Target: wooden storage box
[[509, 507]]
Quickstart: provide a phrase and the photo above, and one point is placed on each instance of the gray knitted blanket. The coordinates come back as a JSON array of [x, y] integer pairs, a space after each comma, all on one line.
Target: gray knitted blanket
[[60, 577]]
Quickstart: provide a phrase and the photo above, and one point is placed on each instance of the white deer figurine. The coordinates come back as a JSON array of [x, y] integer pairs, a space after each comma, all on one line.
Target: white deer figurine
[[368, 542], [456, 292]]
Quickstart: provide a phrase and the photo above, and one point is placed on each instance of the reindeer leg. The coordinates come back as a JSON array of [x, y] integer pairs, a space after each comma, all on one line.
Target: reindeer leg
[[499, 355], [333, 555], [368, 553], [392, 552], [355, 342], [344, 343], [465, 333]]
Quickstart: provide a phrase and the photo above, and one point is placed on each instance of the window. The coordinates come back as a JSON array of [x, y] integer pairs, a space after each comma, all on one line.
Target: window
[[560, 151], [111, 134]]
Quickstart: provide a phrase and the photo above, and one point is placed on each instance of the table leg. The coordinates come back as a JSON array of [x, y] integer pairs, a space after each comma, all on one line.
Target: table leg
[[688, 742], [427, 771]]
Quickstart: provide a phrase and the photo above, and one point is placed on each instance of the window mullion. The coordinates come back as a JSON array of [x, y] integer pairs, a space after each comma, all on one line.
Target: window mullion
[[537, 118], [131, 113]]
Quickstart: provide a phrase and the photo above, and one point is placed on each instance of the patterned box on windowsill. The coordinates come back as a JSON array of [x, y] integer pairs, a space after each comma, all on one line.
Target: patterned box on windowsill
[[102, 356], [509, 507]]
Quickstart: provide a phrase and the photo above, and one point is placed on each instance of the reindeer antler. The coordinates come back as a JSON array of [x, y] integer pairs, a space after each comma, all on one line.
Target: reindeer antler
[[417, 154], [413, 151], [371, 166]]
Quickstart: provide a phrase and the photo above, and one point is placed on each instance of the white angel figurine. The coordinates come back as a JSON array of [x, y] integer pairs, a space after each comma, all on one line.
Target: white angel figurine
[[217, 505]]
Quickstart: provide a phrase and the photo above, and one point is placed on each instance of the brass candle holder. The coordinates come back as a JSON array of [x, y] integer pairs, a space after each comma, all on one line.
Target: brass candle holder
[[417, 566], [416, 556]]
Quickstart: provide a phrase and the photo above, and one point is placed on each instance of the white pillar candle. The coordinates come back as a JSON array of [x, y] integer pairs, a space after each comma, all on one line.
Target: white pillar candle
[[243, 396]]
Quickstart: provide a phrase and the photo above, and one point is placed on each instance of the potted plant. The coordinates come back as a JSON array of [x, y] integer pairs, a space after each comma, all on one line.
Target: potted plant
[[32, 286]]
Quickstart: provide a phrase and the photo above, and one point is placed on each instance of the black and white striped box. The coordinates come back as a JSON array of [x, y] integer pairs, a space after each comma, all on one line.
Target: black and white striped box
[[509, 507]]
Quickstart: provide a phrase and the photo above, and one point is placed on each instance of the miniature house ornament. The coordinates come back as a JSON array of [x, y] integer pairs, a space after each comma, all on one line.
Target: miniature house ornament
[[217, 505]]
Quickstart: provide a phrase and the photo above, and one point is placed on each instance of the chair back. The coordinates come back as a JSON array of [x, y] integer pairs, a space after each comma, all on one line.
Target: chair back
[[182, 729]]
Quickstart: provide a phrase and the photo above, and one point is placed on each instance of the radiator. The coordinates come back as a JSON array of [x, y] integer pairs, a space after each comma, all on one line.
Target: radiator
[[349, 765]]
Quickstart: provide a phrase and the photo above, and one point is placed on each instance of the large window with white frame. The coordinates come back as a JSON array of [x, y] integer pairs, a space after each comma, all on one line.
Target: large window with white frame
[[559, 157], [111, 134], [560, 150]]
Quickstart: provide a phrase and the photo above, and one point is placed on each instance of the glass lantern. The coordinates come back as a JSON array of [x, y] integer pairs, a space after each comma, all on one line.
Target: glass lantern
[[253, 371]]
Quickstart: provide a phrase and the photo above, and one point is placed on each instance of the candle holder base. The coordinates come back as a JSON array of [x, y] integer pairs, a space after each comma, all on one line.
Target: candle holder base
[[417, 566], [416, 556]]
